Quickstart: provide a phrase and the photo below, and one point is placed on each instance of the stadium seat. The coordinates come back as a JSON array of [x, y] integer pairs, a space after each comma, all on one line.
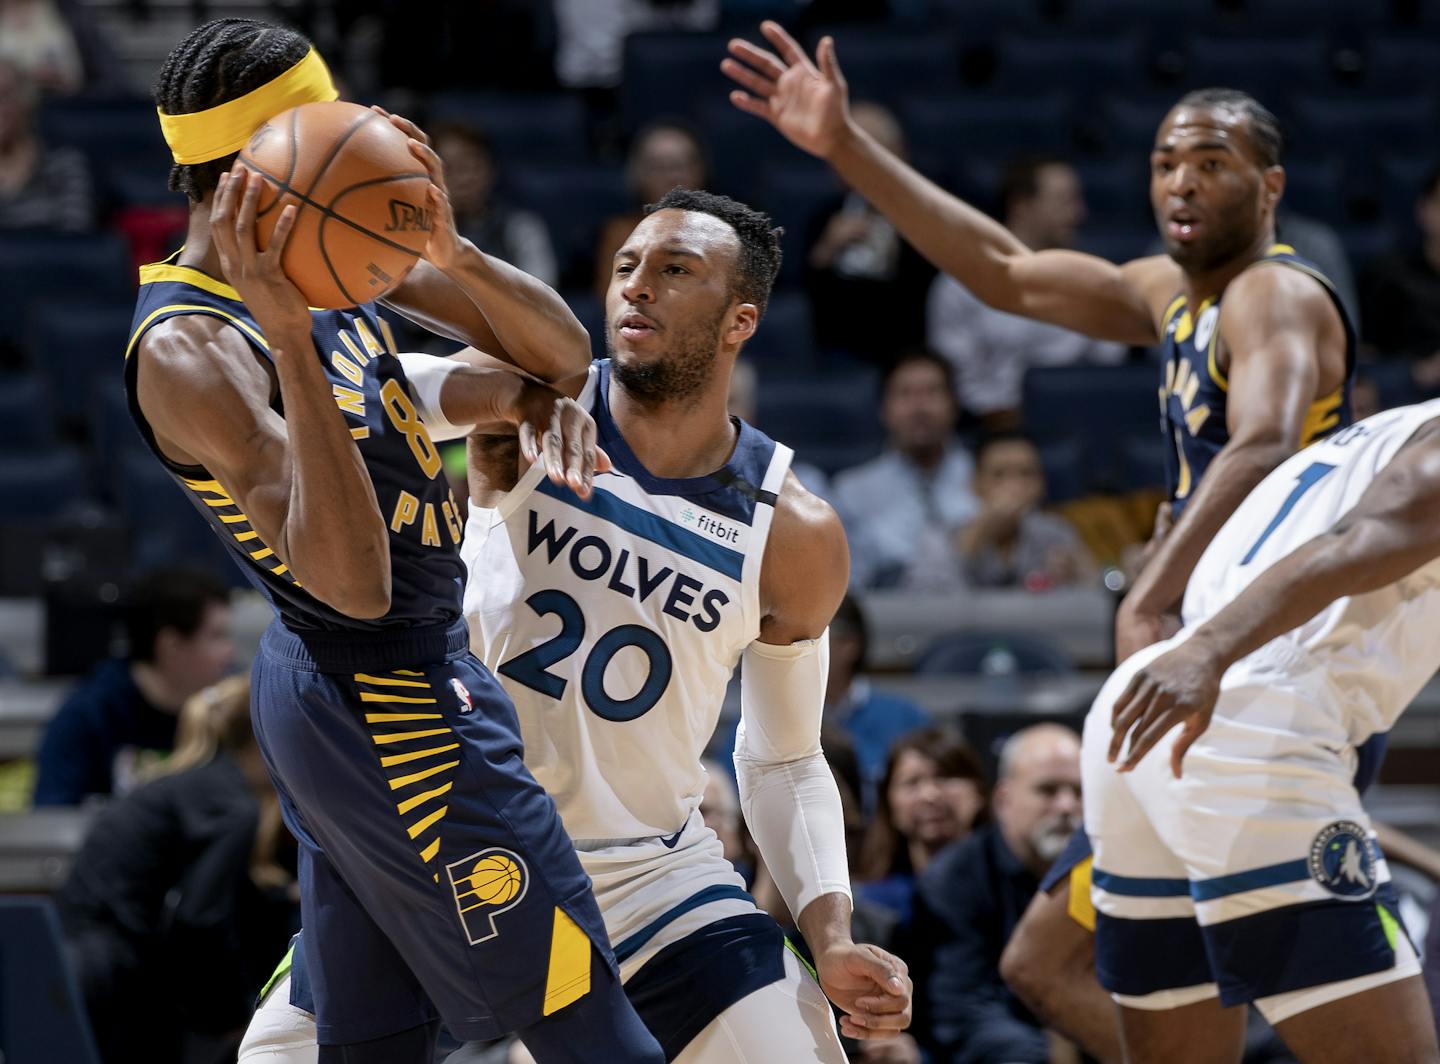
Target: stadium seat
[[527, 130], [42, 265], [26, 422], [1143, 460], [870, 58], [959, 127], [795, 194], [574, 201], [1269, 68], [1393, 381], [993, 653], [1402, 181], [165, 529], [1402, 64], [1166, 21], [590, 309], [671, 75], [1033, 63], [113, 434], [83, 342], [831, 421], [1065, 469], [1064, 404], [1361, 128], [40, 485], [1117, 194], [741, 150], [1316, 187], [1131, 121], [784, 344], [42, 1013]]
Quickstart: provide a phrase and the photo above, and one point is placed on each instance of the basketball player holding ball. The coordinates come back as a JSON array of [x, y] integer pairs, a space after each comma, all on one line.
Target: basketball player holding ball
[[436, 878]]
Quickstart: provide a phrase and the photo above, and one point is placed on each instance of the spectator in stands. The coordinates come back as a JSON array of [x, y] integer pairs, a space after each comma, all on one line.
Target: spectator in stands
[[872, 719], [867, 285], [40, 187], [182, 892], [933, 793], [663, 156], [1040, 202], [494, 226], [972, 895], [1012, 542], [35, 37], [123, 714], [743, 404], [1401, 296], [902, 509]]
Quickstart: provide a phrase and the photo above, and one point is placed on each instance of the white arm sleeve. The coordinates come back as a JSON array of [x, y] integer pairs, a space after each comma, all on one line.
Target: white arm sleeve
[[787, 793], [427, 375]]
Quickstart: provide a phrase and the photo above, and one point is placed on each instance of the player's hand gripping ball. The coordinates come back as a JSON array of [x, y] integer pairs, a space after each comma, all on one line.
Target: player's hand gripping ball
[[363, 218]]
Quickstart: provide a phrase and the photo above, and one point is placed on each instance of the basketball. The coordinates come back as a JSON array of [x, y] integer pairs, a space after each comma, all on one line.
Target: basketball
[[495, 879], [361, 194]]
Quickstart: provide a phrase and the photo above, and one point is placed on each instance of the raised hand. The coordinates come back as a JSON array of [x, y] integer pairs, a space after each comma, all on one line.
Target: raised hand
[[444, 245], [807, 102], [560, 433], [1178, 687], [872, 988], [257, 275]]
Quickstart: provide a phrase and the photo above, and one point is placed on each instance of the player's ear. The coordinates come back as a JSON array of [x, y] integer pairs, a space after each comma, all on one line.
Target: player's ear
[[1274, 178], [743, 320]]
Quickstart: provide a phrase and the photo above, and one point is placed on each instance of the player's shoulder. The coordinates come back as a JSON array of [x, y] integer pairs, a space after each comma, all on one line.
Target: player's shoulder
[[1274, 289], [806, 566], [199, 356], [803, 516]]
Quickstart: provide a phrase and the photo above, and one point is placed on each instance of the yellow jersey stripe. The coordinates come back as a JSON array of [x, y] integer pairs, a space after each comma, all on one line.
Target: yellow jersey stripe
[[400, 737], [224, 500], [569, 977], [415, 755], [428, 853], [232, 519], [204, 485], [166, 271], [246, 537], [406, 672], [420, 799], [260, 555], [194, 308], [385, 681], [416, 777], [395, 718], [1081, 908], [385, 696], [281, 570], [419, 826]]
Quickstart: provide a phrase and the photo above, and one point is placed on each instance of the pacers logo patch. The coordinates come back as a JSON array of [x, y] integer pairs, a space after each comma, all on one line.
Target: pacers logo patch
[[462, 694], [487, 884], [1342, 861]]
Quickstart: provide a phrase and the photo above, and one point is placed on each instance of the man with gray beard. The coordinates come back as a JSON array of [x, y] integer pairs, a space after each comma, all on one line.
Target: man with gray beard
[[972, 895]]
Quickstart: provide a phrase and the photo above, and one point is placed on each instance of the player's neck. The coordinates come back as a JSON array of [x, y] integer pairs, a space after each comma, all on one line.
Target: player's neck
[[1208, 284], [200, 252], [686, 438]]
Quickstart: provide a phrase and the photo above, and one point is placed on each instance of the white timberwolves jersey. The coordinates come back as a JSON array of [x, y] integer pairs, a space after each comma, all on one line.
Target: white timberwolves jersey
[[615, 623], [1368, 654]]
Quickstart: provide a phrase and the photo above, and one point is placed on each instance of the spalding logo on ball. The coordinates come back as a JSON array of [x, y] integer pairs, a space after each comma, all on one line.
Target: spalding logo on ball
[[362, 216], [487, 884]]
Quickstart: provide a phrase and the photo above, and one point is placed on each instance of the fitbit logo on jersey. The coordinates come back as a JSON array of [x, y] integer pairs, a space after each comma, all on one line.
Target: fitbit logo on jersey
[[719, 529], [630, 574]]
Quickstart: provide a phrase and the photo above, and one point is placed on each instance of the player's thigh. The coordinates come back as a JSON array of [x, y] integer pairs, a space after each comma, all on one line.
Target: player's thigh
[[1200, 1032], [279, 1033], [788, 1020]]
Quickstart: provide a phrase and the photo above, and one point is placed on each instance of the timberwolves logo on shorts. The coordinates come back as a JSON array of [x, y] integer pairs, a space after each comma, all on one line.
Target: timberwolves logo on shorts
[[1342, 861], [487, 884]]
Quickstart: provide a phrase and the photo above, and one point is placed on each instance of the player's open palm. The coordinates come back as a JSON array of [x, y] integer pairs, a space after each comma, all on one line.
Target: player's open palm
[[1179, 687], [805, 101], [256, 273], [560, 434], [871, 987]]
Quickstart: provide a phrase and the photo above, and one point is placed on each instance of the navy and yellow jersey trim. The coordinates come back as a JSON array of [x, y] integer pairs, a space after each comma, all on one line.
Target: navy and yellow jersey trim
[[357, 352], [1194, 386]]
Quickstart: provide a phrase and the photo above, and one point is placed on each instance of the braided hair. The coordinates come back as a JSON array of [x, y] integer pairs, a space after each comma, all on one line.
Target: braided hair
[[218, 62]]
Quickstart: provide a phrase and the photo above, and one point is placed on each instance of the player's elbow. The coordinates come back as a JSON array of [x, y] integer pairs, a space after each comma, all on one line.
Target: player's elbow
[[1027, 973], [364, 600]]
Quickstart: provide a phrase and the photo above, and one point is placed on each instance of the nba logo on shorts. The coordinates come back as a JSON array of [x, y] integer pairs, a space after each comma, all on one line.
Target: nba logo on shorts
[[1342, 861], [462, 694], [486, 884]]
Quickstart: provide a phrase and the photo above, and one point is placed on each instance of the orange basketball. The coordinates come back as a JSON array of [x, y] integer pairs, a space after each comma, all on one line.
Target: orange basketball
[[363, 219]]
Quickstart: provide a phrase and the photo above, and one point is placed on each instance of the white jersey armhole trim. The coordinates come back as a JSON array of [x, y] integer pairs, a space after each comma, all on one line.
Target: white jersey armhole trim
[[773, 482]]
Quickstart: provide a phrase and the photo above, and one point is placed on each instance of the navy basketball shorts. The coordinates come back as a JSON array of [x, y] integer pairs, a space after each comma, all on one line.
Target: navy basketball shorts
[[436, 877]]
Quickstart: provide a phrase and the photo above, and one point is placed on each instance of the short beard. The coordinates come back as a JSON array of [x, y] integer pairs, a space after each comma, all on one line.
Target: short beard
[[680, 374]]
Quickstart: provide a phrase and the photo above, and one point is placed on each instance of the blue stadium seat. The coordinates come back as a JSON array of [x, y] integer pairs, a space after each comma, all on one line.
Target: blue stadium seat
[[113, 435], [527, 130], [669, 75], [1316, 187], [165, 528], [42, 1012], [26, 421], [1269, 68], [1402, 64], [1097, 407], [795, 194], [85, 267], [1065, 474], [1393, 381], [871, 58], [1131, 121], [1116, 193], [1119, 243], [122, 138], [784, 344], [574, 201], [981, 653], [590, 309], [78, 342], [982, 20], [39, 485], [1402, 181], [741, 150], [1031, 63], [959, 127], [831, 422], [1164, 21], [1344, 19], [1361, 128], [1143, 455]]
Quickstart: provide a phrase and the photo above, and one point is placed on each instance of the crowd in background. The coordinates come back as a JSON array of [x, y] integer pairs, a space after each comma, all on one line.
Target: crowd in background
[[944, 480]]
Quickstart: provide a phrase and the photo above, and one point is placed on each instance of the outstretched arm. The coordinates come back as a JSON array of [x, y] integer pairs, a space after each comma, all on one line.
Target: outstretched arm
[[808, 104], [1276, 324], [1392, 530], [460, 292]]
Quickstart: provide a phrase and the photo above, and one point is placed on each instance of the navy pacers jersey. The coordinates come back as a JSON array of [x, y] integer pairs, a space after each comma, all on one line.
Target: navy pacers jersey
[[358, 354], [1193, 390]]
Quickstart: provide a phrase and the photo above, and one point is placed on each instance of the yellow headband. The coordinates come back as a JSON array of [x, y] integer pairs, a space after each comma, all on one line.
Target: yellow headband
[[224, 129]]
